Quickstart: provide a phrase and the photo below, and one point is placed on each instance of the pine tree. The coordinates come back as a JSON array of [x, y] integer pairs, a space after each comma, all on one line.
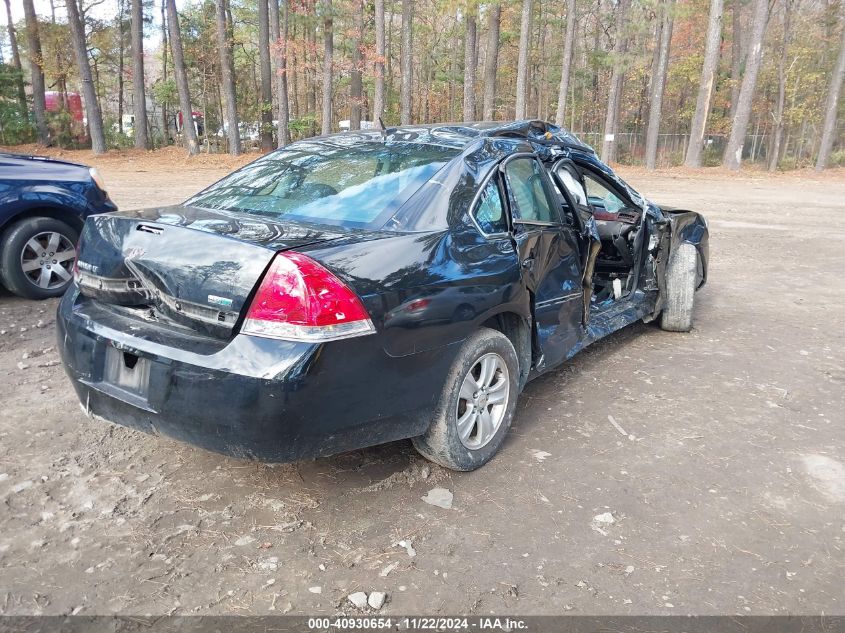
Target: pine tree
[[92, 104], [189, 132], [36, 60], [705, 90], [16, 58], [831, 106], [406, 61], [566, 63], [139, 90], [491, 60], [470, 60], [739, 126], [227, 77], [522, 63], [658, 84]]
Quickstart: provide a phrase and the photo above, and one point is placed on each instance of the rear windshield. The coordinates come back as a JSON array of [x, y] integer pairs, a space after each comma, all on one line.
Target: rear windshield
[[360, 186]]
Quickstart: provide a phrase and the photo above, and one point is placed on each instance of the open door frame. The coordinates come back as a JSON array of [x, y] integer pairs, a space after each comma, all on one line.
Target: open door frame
[[591, 243]]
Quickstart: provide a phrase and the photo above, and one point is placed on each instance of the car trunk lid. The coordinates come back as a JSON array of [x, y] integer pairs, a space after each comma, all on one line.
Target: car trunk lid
[[194, 266]]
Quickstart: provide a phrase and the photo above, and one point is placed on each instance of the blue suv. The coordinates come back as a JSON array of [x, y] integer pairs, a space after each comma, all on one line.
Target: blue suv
[[43, 205]]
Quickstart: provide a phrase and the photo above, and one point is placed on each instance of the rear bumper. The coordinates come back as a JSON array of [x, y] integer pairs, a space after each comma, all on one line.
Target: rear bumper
[[254, 398]]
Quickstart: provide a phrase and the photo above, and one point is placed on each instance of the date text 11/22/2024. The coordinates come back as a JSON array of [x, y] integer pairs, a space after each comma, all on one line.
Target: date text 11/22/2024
[[418, 623]]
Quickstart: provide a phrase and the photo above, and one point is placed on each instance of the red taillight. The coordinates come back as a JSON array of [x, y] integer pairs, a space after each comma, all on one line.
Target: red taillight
[[300, 300]]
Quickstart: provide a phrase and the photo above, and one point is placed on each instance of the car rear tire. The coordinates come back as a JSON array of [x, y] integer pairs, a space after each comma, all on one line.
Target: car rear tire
[[37, 257], [476, 406], [680, 289]]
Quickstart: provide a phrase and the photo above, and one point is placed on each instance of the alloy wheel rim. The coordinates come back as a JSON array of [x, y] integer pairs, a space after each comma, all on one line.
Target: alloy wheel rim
[[482, 401], [47, 260]]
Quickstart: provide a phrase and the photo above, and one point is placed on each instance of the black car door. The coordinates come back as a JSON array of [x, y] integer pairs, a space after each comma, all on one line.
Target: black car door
[[548, 255]]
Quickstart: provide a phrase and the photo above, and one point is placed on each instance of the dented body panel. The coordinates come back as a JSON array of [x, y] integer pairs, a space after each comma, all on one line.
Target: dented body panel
[[150, 333]]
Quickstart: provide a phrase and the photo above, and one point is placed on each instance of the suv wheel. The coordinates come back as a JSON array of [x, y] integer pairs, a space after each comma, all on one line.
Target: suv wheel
[[37, 257]]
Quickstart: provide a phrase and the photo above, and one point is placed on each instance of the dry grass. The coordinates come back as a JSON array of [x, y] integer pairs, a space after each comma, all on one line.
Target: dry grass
[[138, 159]]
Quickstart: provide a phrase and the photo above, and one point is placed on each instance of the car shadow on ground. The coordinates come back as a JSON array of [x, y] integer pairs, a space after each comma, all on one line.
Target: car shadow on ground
[[360, 468]]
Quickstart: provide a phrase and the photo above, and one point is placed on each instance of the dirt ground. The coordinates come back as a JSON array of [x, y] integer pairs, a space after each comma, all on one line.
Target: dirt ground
[[727, 496]]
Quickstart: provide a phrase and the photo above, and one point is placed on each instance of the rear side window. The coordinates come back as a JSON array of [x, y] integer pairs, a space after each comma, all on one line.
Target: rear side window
[[528, 197], [490, 210]]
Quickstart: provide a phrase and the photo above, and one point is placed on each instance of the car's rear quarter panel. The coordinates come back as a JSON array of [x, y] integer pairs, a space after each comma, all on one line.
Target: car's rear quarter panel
[[463, 279]]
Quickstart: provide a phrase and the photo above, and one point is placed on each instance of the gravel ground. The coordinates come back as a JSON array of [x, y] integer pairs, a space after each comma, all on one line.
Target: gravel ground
[[728, 500]]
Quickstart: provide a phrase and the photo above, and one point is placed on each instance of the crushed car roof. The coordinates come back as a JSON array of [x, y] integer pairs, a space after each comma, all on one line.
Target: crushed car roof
[[459, 135]]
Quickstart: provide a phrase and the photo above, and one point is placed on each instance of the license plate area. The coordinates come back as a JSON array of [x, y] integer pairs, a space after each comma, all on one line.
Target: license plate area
[[127, 371]]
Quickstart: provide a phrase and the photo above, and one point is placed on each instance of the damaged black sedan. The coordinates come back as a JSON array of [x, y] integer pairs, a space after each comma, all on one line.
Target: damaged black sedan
[[359, 288]]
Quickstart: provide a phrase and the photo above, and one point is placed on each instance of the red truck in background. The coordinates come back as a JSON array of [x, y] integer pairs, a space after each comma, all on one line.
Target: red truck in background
[[72, 103], [199, 122]]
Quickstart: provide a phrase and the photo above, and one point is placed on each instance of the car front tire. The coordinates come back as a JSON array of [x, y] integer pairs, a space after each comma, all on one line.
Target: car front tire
[[37, 257], [680, 289], [476, 406]]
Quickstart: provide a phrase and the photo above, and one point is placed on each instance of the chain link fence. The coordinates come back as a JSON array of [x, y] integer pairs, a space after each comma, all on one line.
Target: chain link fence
[[671, 149]]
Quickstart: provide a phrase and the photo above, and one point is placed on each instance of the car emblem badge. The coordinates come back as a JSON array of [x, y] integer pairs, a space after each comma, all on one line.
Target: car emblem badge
[[220, 301]]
